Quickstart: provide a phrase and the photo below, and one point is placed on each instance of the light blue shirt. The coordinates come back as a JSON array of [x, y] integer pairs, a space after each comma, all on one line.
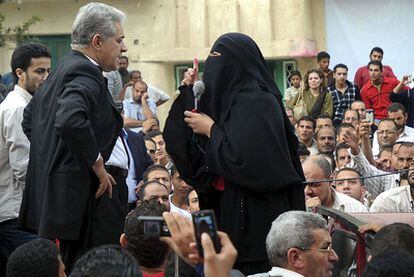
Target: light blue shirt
[[134, 110]]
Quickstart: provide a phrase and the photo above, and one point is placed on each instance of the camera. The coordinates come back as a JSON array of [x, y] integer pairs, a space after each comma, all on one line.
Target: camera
[[154, 226], [205, 222]]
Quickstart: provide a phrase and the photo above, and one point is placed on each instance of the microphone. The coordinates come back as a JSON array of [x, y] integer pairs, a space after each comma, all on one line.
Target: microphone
[[198, 91]]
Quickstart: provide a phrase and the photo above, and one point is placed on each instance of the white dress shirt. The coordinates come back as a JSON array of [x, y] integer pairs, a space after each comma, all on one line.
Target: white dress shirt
[[396, 200], [407, 136], [345, 203], [14, 152]]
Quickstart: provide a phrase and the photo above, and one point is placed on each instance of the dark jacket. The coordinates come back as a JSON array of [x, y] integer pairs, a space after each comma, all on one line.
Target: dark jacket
[[139, 153], [69, 121]]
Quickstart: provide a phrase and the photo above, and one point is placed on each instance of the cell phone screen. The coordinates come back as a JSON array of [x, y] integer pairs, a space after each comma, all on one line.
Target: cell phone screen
[[205, 222]]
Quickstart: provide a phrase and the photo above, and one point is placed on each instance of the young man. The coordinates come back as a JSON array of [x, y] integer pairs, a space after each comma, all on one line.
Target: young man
[[376, 92], [353, 187], [323, 59], [179, 199], [343, 92], [305, 131], [362, 75], [31, 65]]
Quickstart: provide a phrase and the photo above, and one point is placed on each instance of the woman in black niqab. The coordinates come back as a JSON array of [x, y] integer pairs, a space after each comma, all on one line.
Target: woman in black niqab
[[245, 137]]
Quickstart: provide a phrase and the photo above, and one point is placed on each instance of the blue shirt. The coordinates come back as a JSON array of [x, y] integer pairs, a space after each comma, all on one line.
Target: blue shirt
[[134, 110]]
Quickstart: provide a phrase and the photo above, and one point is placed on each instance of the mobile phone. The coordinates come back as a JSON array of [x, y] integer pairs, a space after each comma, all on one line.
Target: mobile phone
[[205, 222], [154, 226], [370, 115]]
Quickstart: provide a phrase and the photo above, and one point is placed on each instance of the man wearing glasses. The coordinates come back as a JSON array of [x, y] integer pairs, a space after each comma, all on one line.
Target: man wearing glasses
[[298, 244], [320, 193]]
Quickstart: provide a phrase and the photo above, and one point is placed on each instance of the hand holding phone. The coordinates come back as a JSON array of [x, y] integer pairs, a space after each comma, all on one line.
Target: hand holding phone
[[205, 222]]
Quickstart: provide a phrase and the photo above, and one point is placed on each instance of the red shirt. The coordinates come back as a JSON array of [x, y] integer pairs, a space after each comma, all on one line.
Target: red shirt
[[377, 100], [362, 75]]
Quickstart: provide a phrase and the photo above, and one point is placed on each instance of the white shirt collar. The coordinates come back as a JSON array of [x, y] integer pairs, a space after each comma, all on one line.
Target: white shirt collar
[[24, 93], [278, 271], [92, 60]]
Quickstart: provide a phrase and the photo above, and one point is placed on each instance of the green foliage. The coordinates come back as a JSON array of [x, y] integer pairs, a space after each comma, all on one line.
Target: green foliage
[[18, 33]]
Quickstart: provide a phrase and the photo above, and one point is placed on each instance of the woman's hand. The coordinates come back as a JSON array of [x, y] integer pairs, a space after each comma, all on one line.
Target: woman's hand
[[199, 122]]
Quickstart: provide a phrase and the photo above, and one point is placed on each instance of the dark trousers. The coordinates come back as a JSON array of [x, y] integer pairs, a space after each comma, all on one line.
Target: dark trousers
[[10, 239], [103, 224]]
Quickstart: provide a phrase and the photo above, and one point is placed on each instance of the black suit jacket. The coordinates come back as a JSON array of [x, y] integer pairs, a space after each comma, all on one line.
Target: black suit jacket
[[139, 153], [69, 121]]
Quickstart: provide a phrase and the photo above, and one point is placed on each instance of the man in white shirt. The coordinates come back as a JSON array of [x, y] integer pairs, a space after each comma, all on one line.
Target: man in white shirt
[[305, 130], [298, 244], [179, 198], [31, 65], [319, 192], [157, 95], [396, 200], [397, 113]]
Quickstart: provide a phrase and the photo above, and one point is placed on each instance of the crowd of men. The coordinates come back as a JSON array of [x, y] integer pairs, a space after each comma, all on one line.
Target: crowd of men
[[69, 187]]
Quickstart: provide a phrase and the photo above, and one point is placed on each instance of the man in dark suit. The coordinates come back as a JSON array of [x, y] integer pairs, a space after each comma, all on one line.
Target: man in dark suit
[[72, 124]]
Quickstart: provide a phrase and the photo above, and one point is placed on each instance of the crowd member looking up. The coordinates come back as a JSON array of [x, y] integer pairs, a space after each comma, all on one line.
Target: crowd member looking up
[[123, 64], [354, 187], [402, 155], [397, 199], [298, 244], [157, 95], [405, 96], [161, 155], [376, 92], [179, 198], [269, 186], [193, 202], [351, 117], [342, 157], [341, 131], [37, 258], [384, 159], [30, 65], [107, 260], [359, 107], [323, 59], [139, 108], [362, 76], [321, 193], [325, 139], [315, 95], [150, 252], [153, 190], [74, 113], [343, 92], [294, 79], [397, 113], [158, 173], [323, 121], [305, 131]]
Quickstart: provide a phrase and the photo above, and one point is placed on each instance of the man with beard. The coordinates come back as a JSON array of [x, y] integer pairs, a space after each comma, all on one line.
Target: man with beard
[[30, 64], [325, 139], [213, 152], [123, 69], [397, 200]]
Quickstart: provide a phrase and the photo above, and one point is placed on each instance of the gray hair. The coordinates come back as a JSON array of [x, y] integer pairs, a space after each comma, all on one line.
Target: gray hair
[[92, 19], [320, 162], [292, 229]]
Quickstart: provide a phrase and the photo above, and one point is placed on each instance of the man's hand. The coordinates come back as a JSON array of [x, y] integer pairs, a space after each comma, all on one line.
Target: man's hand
[[370, 227], [352, 139], [200, 123], [106, 181], [182, 235], [364, 129], [218, 264], [313, 202], [149, 124], [145, 96]]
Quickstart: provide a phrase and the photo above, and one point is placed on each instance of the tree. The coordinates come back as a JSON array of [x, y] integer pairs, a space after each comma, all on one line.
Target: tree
[[18, 33]]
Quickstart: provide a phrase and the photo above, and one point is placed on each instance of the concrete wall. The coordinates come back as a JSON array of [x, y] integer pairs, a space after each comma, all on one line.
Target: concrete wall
[[161, 33]]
